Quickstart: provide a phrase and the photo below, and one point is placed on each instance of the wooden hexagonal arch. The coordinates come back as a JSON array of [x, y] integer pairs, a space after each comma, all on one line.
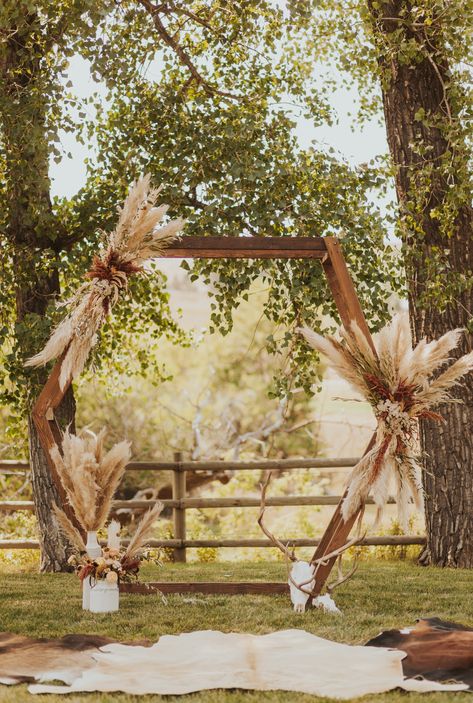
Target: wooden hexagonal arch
[[327, 250]]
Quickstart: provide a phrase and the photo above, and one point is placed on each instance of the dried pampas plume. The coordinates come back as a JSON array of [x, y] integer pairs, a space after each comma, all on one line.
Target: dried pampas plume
[[144, 531], [69, 530], [90, 476], [134, 241], [398, 381]]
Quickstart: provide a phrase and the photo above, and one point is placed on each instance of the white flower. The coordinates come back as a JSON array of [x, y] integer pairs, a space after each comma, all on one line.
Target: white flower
[[394, 417]]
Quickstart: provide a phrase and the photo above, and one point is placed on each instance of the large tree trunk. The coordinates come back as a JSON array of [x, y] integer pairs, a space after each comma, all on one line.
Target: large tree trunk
[[412, 90], [36, 237], [55, 550]]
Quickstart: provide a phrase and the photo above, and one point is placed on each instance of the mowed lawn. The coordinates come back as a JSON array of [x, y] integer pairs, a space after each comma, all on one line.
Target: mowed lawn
[[383, 594]]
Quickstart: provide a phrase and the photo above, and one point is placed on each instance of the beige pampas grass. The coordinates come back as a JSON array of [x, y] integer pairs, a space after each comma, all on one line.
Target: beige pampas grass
[[69, 530], [90, 475], [144, 531], [133, 243], [398, 381]]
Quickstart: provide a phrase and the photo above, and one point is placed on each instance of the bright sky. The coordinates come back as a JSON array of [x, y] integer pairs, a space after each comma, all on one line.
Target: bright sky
[[357, 146]]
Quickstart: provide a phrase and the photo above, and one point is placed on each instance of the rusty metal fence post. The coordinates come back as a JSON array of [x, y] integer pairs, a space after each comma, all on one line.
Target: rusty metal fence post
[[179, 513]]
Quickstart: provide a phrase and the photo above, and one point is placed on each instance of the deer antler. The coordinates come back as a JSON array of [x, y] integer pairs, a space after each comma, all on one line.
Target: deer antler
[[341, 576], [277, 543], [315, 563]]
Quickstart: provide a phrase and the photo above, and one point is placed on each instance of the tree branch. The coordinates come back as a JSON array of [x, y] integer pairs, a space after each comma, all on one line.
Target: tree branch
[[155, 11]]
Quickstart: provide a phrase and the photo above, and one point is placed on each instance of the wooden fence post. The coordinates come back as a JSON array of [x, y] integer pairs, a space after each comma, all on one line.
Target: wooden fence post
[[179, 514]]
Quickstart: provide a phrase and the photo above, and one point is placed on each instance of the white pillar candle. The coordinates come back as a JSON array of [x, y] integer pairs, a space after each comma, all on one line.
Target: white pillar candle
[[113, 535]]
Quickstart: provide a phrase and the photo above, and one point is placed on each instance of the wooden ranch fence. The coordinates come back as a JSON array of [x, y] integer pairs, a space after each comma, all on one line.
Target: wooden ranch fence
[[180, 502]]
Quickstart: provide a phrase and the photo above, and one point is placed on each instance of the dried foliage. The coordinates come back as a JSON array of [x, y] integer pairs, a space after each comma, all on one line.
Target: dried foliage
[[90, 475], [125, 252], [69, 530], [402, 384], [143, 531]]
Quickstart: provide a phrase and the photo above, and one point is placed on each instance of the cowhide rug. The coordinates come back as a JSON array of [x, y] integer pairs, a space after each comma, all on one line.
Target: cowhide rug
[[25, 659], [290, 660], [436, 649]]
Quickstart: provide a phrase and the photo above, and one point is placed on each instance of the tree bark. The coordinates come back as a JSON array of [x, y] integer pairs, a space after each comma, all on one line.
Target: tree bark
[[35, 236], [55, 549], [412, 90]]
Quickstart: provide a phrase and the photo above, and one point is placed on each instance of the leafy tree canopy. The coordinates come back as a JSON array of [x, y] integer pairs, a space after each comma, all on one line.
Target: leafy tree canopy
[[381, 36], [204, 96]]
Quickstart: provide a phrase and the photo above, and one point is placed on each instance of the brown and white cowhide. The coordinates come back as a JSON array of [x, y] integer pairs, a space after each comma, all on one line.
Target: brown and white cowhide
[[25, 659], [289, 660], [436, 649]]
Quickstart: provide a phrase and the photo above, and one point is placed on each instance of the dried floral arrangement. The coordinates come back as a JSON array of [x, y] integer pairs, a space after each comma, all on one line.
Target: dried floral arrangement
[[124, 253], [402, 384], [90, 477], [118, 564]]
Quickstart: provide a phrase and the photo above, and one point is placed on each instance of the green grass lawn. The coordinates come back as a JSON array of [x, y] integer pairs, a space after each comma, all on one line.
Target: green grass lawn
[[382, 595]]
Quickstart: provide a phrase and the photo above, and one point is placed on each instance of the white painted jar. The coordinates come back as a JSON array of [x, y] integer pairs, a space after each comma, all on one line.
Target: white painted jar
[[104, 597], [93, 547], [86, 593]]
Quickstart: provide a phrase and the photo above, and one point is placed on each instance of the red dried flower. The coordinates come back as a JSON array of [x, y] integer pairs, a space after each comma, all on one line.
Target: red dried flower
[[105, 269]]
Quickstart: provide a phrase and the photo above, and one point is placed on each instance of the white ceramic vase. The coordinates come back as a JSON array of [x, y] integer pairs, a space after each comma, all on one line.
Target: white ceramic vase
[[104, 597], [86, 593], [93, 547]]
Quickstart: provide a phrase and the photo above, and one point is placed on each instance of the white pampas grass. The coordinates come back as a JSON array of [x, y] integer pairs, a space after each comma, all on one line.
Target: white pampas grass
[[398, 381], [90, 475], [127, 249]]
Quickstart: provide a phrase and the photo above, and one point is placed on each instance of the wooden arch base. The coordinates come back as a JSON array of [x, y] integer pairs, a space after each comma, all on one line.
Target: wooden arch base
[[327, 251]]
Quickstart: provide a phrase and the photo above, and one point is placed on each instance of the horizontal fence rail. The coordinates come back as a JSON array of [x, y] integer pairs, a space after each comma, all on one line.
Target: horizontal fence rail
[[180, 502], [214, 466], [385, 541], [10, 506]]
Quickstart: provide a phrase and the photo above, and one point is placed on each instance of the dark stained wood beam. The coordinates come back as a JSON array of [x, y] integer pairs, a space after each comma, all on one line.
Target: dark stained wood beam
[[230, 588], [247, 248]]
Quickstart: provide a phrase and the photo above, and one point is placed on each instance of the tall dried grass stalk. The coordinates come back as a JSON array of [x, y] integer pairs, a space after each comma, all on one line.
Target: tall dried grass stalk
[[69, 530], [399, 383], [90, 475], [144, 530], [124, 253]]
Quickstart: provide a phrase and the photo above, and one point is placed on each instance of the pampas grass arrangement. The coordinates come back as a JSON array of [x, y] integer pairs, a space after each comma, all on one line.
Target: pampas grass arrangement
[[137, 544], [69, 530], [90, 477], [124, 253], [143, 532], [402, 384]]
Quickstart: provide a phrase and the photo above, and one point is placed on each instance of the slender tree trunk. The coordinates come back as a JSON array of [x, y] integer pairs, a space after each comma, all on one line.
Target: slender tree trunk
[[420, 148]]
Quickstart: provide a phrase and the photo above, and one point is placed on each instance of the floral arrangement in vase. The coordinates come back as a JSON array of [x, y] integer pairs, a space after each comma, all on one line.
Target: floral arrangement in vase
[[90, 477], [101, 574], [114, 566]]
